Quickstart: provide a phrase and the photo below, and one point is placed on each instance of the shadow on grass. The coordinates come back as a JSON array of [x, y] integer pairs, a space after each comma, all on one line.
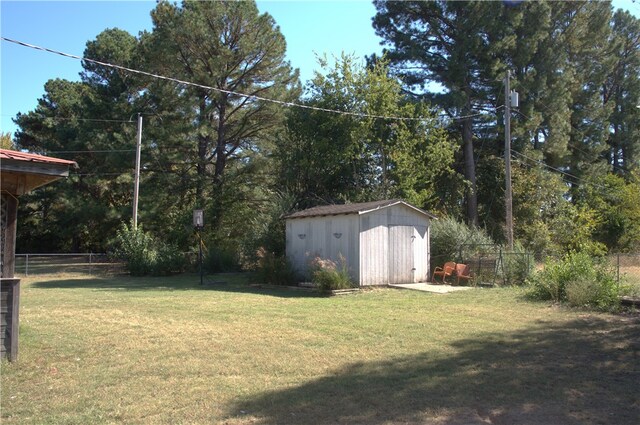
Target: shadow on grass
[[583, 372], [224, 282]]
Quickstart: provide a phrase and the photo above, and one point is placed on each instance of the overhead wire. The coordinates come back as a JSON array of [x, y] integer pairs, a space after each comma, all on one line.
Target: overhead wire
[[248, 96], [578, 179], [74, 118], [569, 143], [220, 90]]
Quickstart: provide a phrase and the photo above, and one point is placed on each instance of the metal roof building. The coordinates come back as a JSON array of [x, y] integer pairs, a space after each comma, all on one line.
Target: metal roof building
[[20, 173], [383, 242]]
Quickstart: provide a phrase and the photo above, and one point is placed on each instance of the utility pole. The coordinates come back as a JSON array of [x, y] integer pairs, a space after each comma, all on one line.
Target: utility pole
[[507, 160], [136, 183]]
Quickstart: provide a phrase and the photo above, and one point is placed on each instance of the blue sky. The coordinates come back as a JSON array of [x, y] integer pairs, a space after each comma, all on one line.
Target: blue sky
[[309, 27]]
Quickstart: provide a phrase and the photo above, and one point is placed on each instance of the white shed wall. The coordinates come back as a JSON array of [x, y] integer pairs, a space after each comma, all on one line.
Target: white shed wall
[[394, 246], [327, 237], [374, 249]]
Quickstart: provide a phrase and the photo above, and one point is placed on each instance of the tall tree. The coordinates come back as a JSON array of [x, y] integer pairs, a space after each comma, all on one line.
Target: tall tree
[[456, 45], [6, 141], [86, 121], [589, 60], [327, 157], [622, 89], [233, 49]]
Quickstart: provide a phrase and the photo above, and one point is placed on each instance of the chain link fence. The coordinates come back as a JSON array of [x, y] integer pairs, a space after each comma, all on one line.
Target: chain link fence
[[493, 265], [490, 264], [627, 268], [93, 264]]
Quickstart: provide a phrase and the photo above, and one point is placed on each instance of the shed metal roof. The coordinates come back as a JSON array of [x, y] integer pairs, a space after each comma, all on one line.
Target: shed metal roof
[[359, 208]]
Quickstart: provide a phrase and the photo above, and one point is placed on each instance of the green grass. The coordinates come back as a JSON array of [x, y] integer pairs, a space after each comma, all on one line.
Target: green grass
[[167, 351]]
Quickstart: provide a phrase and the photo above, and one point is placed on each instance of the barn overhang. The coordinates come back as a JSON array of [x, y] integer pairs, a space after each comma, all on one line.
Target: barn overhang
[[23, 172], [20, 173]]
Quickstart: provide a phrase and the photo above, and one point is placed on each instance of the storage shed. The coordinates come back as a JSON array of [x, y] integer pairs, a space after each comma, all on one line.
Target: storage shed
[[383, 242]]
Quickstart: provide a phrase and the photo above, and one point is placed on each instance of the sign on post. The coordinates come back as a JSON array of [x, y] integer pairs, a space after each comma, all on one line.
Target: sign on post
[[198, 219]]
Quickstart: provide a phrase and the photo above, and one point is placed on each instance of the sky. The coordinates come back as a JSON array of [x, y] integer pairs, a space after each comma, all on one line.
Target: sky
[[310, 27]]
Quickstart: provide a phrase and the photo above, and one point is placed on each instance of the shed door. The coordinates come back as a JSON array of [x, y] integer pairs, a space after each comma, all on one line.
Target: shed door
[[401, 254]]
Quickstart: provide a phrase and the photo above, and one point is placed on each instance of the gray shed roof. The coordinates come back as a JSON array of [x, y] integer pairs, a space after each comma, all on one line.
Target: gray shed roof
[[360, 208]]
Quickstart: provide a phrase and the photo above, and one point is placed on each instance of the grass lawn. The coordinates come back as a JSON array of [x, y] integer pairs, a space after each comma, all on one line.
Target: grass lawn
[[166, 351]]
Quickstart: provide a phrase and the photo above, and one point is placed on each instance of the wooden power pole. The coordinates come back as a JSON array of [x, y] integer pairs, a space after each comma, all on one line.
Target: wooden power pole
[[136, 183], [507, 160]]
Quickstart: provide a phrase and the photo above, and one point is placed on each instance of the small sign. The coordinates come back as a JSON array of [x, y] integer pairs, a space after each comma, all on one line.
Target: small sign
[[515, 99], [198, 219]]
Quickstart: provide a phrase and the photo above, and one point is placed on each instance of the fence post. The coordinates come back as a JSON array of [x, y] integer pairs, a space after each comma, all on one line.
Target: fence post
[[618, 269], [90, 262]]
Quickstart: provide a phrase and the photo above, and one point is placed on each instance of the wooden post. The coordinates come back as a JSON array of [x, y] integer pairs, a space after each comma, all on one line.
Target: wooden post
[[9, 318], [8, 234], [9, 286]]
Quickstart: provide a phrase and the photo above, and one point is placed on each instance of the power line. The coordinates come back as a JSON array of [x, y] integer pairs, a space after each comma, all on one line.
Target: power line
[[569, 143], [557, 169], [96, 151], [188, 83], [72, 118]]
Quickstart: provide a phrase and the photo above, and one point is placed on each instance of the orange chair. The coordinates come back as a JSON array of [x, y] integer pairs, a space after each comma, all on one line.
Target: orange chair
[[463, 271], [445, 271]]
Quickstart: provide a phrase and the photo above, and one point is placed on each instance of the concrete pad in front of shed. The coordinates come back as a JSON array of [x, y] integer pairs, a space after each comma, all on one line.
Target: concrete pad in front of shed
[[428, 287]]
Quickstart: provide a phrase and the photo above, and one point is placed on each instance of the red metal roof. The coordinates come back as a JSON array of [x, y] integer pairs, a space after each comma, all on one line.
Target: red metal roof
[[30, 157]]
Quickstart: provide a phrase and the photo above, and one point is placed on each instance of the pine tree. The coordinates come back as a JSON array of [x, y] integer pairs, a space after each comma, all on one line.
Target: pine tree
[[622, 89], [230, 47], [89, 120], [458, 46]]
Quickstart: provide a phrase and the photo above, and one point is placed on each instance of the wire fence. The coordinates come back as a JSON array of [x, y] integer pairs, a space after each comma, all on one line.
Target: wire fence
[[490, 264], [627, 268], [93, 264], [493, 265]]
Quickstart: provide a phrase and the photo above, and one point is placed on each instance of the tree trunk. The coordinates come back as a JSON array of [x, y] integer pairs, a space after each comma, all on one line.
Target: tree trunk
[[221, 158], [221, 162], [201, 168], [470, 170]]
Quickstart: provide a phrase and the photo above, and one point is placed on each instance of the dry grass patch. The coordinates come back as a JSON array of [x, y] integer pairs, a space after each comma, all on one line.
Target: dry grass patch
[[166, 351]]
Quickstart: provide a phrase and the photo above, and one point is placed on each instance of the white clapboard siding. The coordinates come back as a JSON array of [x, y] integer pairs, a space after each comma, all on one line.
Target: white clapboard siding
[[331, 237]]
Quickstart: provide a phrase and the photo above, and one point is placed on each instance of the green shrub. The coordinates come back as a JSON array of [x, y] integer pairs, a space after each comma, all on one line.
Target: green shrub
[[518, 266], [221, 259], [144, 255], [169, 260], [328, 276], [135, 248], [450, 238], [577, 279], [274, 269], [630, 290], [581, 292]]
